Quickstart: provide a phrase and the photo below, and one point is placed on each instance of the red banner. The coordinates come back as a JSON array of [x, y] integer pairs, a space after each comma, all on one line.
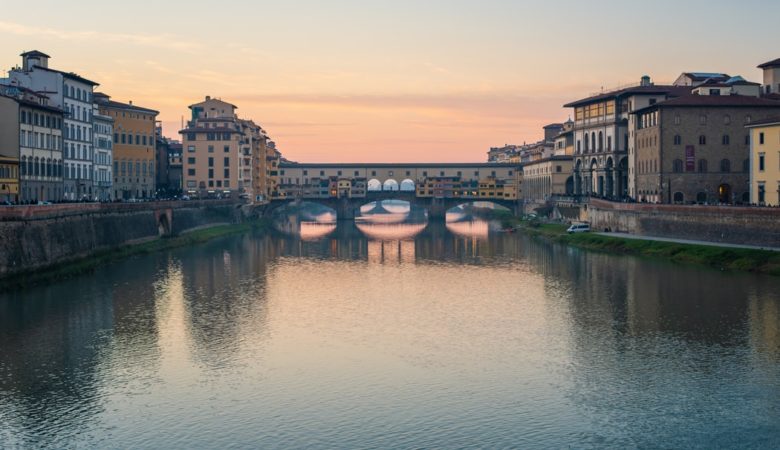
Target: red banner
[[690, 158]]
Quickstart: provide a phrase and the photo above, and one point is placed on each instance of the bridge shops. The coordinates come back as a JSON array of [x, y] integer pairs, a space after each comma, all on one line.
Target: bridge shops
[[458, 180]]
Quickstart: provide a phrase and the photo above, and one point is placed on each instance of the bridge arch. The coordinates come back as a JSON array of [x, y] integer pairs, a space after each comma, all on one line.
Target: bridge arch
[[390, 185], [407, 185], [374, 185]]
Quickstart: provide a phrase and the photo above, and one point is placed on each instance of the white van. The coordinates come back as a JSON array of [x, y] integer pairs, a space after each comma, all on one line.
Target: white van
[[578, 228]]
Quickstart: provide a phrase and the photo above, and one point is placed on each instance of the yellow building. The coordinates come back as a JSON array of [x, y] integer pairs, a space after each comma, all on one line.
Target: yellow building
[[9, 179], [765, 162], [134, 147]]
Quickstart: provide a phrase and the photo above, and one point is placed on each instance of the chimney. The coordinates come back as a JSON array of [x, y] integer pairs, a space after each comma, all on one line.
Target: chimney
[[208, 97], [645, 81], [131, 103]]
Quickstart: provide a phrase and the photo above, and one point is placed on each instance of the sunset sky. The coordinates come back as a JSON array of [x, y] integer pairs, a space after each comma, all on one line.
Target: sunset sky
[[387, 80]]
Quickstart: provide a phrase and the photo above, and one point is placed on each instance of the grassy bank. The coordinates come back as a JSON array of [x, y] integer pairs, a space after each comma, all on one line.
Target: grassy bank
[[88, 264], [723, 258]]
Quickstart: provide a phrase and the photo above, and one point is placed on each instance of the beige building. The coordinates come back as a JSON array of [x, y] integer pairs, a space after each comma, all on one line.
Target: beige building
[[218, 150], [765, 162], [547, 178], [134, 148]]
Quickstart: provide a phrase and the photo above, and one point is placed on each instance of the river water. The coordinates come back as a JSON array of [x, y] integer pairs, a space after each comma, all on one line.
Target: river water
[[392, 337]]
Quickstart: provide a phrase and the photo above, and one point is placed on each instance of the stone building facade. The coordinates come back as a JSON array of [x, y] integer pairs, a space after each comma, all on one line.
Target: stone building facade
[[695, 149]]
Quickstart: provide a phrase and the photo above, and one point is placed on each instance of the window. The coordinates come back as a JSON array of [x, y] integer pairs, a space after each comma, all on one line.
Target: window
[[761, 161], [609, 143], [191, 148], [746, 165], [211, 173], [227, 149], [725, 165], [677, 139], [726, 139], [727, 119], [226, 161], [702, 140], [702, 166], [748, 119], [747, 139], [677, 166], [191, 160], [761, 193], [192, 136], [702, 120], [211, 149], [211, 162], [191, 172], [761, 138], [677, 119]]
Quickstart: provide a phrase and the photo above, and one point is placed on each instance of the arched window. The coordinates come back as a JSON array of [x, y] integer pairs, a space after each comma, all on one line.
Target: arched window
[[702, 140], [579, 147], [677, 165], [601, 141], [727, 119], [609, 143], [726, 139], [593, 141], [587, 143], [48, 167], [678, 197], [701, 197], [725, 165], [677, 139], [702, 166]]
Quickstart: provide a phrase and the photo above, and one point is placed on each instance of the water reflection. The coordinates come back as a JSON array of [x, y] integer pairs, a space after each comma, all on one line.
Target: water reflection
[[449, 341], [391, 220], [309, 221]]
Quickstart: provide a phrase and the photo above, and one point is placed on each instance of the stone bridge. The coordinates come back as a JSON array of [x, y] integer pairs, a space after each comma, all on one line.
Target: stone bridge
[[349, 208]]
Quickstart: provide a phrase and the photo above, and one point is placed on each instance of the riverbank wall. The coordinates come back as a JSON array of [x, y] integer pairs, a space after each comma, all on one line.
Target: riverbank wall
[[38, 237], [724, 224]]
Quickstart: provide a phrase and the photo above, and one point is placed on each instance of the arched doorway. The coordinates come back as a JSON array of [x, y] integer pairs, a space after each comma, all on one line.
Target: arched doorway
[[570, 186], [678, 197], [724, 193], [390, 185]]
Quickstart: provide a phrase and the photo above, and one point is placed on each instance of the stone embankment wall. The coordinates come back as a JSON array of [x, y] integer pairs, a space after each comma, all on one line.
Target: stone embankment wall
[[34, 237], [726, 224]]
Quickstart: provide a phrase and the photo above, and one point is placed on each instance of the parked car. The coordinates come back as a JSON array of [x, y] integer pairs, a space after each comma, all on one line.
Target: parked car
[[578, 228]]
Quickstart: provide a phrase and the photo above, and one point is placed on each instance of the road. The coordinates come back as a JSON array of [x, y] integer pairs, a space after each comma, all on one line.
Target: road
[[689, 241]]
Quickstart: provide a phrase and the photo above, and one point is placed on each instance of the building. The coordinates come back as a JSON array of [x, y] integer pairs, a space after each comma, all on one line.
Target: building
[[765, 161], [546, 178], [73, 94], [103, 127], [771, 84], [563, 143], [223, 155], [169, 165], [33, 138], [134, 146], [695, 149], [602, 157]]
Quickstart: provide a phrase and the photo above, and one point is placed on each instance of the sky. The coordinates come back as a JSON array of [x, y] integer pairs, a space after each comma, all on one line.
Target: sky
[[387, 81]]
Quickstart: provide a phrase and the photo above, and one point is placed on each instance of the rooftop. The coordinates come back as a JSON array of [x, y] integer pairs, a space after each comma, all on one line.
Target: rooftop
[[70, 75], [647, 90], [768, 64], [35, 53], [770, 121], [715, 100]]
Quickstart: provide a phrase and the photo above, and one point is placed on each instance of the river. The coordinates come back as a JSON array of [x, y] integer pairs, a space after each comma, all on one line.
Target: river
[[442, 337]]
